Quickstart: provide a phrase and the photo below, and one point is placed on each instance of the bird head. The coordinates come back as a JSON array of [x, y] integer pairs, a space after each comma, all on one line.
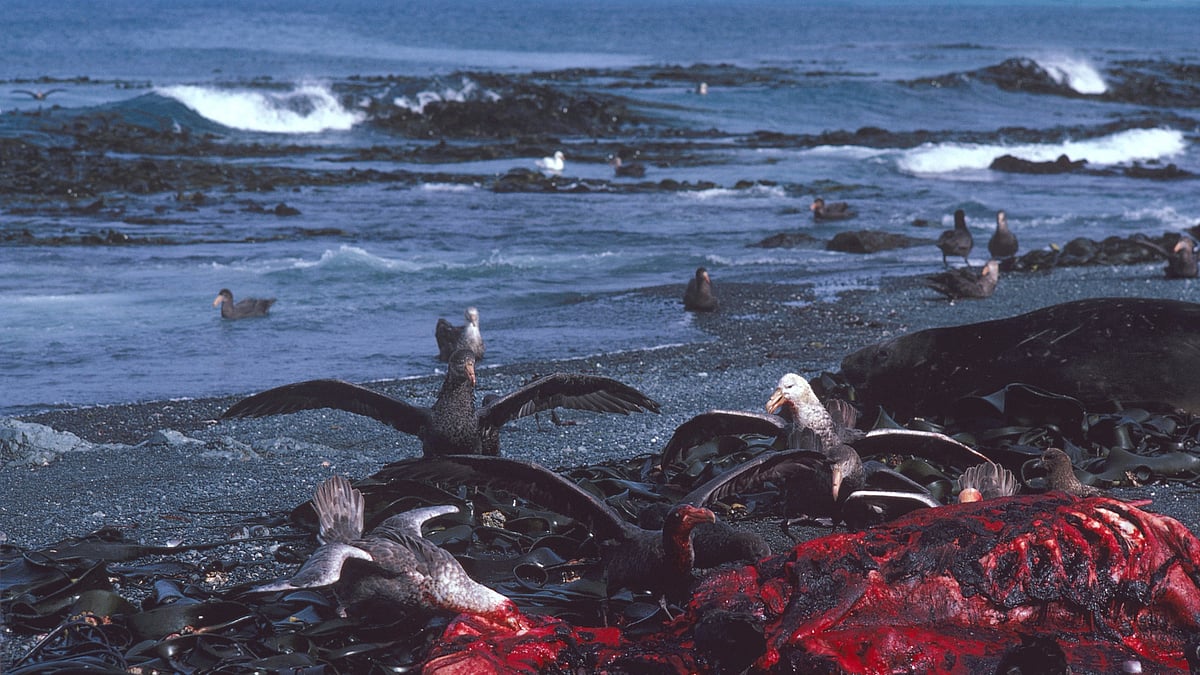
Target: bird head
[[793, 390], [225, 295], [462, 364]]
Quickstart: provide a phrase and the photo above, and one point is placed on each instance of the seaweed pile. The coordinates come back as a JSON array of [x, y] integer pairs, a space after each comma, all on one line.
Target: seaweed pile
[[113, 605]]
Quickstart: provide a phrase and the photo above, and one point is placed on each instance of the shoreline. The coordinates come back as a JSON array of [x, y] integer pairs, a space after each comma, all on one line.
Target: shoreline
[[166, 471], [761, 332]]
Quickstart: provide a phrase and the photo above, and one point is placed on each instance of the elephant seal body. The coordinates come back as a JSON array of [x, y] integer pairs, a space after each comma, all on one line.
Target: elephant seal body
[[1132, 350]]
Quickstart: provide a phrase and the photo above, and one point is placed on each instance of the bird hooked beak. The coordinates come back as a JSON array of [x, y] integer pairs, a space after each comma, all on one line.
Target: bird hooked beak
[[836, 475], [777, 400], [218, 300], [471, 372], [696, 515]]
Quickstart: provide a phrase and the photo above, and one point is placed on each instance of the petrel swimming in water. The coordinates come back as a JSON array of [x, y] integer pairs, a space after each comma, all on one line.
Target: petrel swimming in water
[[453, 425], [699, 295], [554, 164], [830, 211], [451, 338], [392, 568], [958, 241], [242, 309], [630, 170]]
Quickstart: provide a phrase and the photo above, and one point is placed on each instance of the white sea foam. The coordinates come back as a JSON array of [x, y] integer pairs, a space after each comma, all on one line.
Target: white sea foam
[[448, 187], [469, 91], [1124, 146], [752, 191], [353, 256], [306, 109], [1074, 72]]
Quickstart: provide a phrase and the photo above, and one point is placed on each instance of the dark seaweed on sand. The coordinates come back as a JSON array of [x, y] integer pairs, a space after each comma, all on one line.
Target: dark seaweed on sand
[[110, 604]]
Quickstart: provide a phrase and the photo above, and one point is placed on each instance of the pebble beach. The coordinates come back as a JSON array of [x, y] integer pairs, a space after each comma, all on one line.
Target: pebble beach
[[166, 472]]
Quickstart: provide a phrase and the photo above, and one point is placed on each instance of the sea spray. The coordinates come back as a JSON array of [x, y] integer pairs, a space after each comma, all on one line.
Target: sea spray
[[1073, 72], [1125, 146], [309, 108]]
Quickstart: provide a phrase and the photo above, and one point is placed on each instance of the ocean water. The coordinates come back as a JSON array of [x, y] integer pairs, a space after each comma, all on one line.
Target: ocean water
[[366, 268]]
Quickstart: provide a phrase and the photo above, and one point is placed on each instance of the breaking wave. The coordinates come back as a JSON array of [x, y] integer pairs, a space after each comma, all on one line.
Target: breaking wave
[[1076, 73], [307, 109], [469, 91], [1124, 146]]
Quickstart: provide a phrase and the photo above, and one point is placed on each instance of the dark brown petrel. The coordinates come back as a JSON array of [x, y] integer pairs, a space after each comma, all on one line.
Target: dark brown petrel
[[699, 296], [452, 425], [966, 283], [1060, 475], [956, 242], [451, 338], [631, 170], [242, 309], [38, 95], [633, 557], [830, 211], [1003, 243], [392, 568], [1181, 259]]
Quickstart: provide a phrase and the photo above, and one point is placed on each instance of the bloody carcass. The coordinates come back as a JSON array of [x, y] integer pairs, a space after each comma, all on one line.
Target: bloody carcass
[[1108, 586]]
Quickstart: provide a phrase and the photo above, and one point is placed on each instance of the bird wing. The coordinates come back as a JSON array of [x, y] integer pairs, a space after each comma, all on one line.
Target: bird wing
[[323, 568], [447, 335], [525, 479], [315, 394], [715, 423], [566, 390], [750, 476], [920, 443], [409, 523]]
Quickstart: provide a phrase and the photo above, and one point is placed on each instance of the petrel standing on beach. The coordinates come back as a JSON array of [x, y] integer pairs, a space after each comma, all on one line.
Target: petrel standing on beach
[[1003, 244], [699, 295], [957, 242], [658, 559], [451, 338], [452, 425], [966, 283]]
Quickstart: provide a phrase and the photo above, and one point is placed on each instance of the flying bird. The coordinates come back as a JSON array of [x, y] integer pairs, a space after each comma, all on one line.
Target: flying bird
[[453, 425], [242, 309], [38, 95]]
